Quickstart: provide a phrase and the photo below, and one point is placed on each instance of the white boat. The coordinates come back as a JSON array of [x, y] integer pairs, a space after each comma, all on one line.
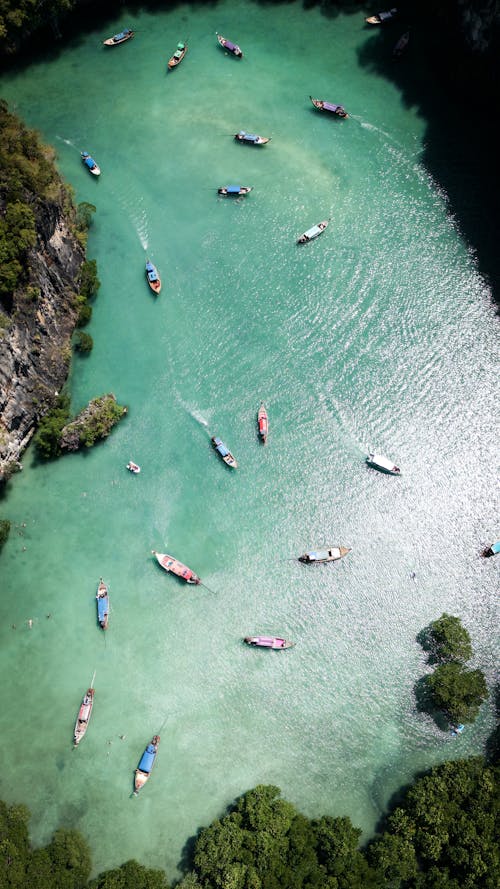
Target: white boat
[[84, 714], [173, 566], [329, 554], [377, 461], [133, 467], [313, 232]]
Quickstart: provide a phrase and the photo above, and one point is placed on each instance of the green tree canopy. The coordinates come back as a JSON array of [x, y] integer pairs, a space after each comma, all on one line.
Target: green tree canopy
[[449, 639], [457, 691]]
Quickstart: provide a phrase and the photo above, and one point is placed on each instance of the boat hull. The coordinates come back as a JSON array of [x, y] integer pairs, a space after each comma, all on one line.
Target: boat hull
[[102, 599], [118, 39], [83, 718], [250, 139], [228, 192], [376, 461], [176, 59], [232, 48], [330, 554], [262, 424], [173, 566], [313, 232], [329, 107], [276, 643], [145, 767]]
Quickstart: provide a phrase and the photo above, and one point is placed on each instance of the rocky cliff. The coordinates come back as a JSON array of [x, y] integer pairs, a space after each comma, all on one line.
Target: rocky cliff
[[35, 331]]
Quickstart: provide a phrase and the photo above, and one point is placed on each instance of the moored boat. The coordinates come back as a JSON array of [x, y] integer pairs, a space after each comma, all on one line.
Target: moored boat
[[275, 642], [133, 467], [146, 764], [492, 550], [234, 190], [102, 598], [251, 138], [263, 423], [330, 554], [331, 107], [224, 452], [173, 566], [377, 461], [90, 163], [380, 17], [153, 277], [127, 34], [84, 714], [313, 232], [178, 56], [401, 45], [231, 47]]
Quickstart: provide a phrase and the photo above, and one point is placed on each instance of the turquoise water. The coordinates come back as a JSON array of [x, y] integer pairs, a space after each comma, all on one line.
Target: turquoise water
[[378, 335]]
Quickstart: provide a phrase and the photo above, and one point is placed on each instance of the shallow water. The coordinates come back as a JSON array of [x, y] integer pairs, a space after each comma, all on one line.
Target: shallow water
[[378, 335]]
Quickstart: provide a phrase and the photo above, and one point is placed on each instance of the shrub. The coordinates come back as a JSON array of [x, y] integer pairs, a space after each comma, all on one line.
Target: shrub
[[84, 315], [89, 282], [4, 531], [49, 431], [83, 343]]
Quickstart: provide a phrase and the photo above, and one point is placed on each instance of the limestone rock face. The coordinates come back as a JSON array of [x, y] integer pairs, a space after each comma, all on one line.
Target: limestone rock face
[[35, 335]]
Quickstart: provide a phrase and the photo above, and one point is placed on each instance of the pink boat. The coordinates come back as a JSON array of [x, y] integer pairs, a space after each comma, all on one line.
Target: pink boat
[[263, 423], [275, 642], [174, 567]]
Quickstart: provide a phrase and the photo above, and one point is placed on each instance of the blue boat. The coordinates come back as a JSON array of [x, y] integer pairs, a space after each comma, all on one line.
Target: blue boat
[[90, 163], [223, 451], [102, 605], [492, 550], [234, 190], [251, 138], [127, 34], [146, 764]]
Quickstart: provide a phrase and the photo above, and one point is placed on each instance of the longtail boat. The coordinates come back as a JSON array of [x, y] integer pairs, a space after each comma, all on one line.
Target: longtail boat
[[263, 423], [127, 34], [90, 163], [275, 642], [153, 277], [383, 464], [146, 764], [492, 550], [102, 605], [234, 190], [178, 56], [84, 714], [313, 232], [251, 138], [330, 554], [401, 45], [231, 47], [224, 452], [338, 110], [380, 17], [173, 566]]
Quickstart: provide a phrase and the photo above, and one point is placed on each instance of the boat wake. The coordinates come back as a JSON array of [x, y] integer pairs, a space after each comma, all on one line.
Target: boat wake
[[195, 414], [67, 142]]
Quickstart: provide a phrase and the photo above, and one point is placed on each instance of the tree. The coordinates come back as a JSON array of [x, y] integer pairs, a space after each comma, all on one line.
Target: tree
[[83, 342], [47, 439], [69, 857], [450, 641], [457, 691], [89, 282], [131, 875], [4, 531]]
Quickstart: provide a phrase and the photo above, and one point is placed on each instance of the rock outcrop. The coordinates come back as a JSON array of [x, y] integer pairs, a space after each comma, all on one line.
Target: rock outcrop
[[35, 335]]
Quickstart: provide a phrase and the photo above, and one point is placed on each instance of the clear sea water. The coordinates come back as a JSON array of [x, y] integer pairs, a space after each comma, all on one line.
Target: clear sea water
[[378, 335]]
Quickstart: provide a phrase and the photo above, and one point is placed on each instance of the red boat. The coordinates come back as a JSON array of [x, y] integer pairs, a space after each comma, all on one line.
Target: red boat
[[263, 423], [174, 567]]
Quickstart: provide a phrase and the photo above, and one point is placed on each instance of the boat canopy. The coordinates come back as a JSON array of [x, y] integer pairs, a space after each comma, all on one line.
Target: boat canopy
[[312, 232], [102, 607], [229, 45], [379, 460], [319, 555], [147, 759], [330, 106], [89, 162], [249, 137], [233, 189], [122, 34], [180, 46], [496, 547], [221, 447]]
